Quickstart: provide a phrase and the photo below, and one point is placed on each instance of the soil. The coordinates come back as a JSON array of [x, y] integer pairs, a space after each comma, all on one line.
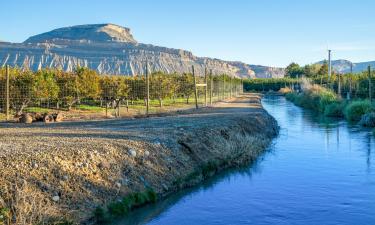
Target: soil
[[65, 170]]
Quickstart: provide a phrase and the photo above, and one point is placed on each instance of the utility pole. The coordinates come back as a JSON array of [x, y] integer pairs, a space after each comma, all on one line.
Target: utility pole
[[339, 84], [211, 86], [329, 65], [206, 87], [147, 90], [369, 83], [7, 93]]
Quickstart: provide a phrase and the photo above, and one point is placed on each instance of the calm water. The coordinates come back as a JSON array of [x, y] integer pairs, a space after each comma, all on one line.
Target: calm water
[[318, 171]]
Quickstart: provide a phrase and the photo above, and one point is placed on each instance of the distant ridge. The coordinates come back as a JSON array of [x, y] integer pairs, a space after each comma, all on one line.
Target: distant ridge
[[112, 49], [343, 66]]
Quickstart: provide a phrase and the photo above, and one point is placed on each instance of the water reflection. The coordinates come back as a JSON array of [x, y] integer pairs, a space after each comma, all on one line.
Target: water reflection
[[318, 171]]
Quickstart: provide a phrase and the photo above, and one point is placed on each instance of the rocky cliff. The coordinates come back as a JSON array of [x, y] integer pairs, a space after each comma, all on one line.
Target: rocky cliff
[[111, 49], [345, 66]]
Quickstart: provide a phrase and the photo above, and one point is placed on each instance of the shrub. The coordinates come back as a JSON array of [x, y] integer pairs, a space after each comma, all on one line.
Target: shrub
[[285, 90], [356, 109], [335, 109], [368, 120]]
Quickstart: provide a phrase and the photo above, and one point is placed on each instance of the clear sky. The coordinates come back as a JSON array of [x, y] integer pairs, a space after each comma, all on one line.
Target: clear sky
[[266, 32]]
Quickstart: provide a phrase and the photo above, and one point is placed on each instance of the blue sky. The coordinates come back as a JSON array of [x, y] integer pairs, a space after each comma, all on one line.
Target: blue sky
[[266, 32]]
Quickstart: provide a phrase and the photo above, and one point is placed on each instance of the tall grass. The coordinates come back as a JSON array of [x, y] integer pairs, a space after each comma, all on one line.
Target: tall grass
[[326, 102], [355, 110]]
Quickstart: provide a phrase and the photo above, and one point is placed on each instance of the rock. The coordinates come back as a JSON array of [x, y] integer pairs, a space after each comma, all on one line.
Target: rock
[[37, 117], [132, 153], [147, 153], [35, 165], [56, 198], [165, 187], [26, 118], [118, 184], [65, 177], [58, 117], [48, 119], [103, 165], [74, 46]]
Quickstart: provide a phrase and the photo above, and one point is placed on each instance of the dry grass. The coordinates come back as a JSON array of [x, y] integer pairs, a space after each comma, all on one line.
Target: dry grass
[[88, 164]]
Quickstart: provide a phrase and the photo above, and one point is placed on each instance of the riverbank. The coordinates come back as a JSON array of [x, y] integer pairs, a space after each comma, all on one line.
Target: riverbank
[[326, 102], [63, 172]]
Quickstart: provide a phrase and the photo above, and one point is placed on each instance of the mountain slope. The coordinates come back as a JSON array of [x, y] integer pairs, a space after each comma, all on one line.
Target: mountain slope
[[111, 49], [344, 66]]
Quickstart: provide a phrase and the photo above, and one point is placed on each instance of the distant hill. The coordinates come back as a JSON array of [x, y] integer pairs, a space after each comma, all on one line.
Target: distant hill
[[343, 66], [111, 49]]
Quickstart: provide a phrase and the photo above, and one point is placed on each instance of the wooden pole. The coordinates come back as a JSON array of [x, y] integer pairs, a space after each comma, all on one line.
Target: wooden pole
[[7, 93], [211, 86], [206, 87], [195, 88], [230, 86], [369, 83], [224, 87], [339, 84], [147, 91]]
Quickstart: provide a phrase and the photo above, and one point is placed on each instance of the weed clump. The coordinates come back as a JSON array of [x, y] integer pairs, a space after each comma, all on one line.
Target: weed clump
[[120, 208], [356, 109]]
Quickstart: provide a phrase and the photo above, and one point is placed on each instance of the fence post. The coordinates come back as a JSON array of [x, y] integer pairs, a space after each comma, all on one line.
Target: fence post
[[369, 83], [224, 88], [230, 87], [195, 88], [7, 93], [206, 87], [211, 86], [339, 84], [147, 91]]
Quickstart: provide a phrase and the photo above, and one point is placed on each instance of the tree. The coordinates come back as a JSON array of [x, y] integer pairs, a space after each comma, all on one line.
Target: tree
[[44, 85], [323, 69], [87, 83], [113, 89], [83, 83], [293, 70], [161, 86], [186, 85]]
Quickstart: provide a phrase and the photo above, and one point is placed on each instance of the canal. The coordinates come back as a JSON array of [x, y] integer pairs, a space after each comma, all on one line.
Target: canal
[[318, 171]]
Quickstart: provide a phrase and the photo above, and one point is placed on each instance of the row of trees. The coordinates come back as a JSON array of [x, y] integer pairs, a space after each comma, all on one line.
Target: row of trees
[[65, 89], [294, 70]]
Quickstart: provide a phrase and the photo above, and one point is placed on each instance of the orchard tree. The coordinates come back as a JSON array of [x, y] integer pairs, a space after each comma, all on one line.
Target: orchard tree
[[161, 87], [293, 70], [113, 89], [186, 86], [44, 85]]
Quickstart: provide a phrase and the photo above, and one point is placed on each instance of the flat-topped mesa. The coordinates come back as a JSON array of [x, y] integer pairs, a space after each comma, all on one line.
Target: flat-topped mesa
[[90, 32]]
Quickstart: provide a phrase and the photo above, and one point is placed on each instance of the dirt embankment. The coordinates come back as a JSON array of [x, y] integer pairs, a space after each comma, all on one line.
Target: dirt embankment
[[57, 171]]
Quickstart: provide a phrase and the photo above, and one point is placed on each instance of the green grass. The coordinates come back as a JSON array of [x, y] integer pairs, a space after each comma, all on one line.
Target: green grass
[[37, 110], [356, 109], [327, 103], [120, 208], [318, 99], [89, 108]]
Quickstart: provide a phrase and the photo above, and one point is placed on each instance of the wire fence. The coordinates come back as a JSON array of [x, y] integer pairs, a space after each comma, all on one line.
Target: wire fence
[[84, 92]]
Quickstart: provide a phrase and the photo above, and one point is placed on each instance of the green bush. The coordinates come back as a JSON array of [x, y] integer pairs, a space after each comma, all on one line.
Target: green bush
[[335, 109], [354, 110]]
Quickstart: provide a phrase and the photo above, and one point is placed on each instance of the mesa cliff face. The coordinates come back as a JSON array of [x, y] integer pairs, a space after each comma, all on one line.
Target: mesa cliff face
[[111, 49]]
